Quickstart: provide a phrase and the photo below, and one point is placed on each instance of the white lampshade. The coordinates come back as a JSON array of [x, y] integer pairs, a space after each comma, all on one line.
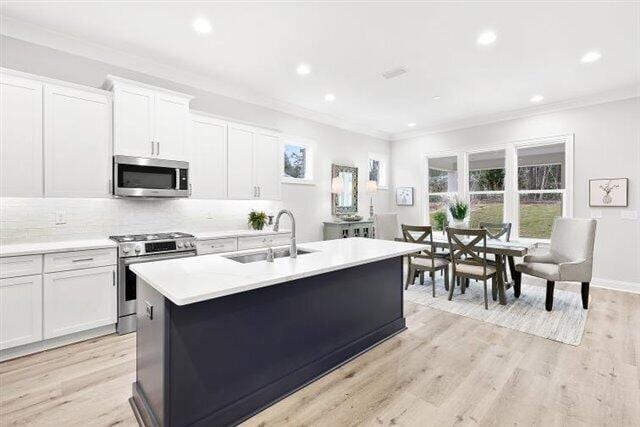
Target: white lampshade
[[337, 185], [372, 187]]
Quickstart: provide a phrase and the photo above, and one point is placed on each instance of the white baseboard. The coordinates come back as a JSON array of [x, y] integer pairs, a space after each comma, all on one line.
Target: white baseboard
[[36, 347], [616, 285]]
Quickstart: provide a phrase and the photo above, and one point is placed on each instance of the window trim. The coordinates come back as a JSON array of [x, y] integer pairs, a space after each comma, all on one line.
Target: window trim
[[448, 194], [469, 193], [309, 146], [383, 159]]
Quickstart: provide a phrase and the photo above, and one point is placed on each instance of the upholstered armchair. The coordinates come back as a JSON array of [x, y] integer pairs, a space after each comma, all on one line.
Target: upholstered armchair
[[570, 258], [386, 226]]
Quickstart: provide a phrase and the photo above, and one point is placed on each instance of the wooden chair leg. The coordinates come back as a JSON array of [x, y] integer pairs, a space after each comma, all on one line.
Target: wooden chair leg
[[486, 299], [410, 277], [517, 283], [585, 295], [452, 286], [463, 281], [549, 301], [494, 289], [446, 278], [433, 283], [422, 277]]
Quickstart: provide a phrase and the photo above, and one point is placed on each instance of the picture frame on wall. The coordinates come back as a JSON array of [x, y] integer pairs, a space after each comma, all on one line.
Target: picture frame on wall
[[609, 192], [404, 196]]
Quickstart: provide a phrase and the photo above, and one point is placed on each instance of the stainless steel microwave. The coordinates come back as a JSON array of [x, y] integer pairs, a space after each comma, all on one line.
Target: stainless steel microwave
[[145, 177]]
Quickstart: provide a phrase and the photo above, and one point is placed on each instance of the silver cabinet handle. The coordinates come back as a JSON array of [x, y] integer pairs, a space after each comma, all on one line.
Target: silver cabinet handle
[[114, 277], [82, 259], [258, 191], [152, 148], [157, 148], [109, 189], [190, 190]]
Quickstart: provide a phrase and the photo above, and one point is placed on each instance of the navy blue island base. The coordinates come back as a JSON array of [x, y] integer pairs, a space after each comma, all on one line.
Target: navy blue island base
[[223, 360]]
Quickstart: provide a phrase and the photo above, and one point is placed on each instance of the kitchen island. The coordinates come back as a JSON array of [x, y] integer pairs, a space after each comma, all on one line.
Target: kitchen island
[[219, 340]]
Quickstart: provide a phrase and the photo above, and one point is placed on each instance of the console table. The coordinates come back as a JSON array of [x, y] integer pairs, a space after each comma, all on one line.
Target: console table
[[344, 229]]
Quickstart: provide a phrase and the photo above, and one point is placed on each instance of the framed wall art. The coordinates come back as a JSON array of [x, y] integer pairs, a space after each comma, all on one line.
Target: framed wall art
[[404, 196], [609, 192]]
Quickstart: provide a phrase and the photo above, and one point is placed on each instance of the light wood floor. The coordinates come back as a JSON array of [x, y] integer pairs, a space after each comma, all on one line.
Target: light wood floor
[[444, 370]]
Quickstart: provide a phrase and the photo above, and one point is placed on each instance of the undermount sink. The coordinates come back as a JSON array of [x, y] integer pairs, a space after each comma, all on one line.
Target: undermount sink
[[262, 255]]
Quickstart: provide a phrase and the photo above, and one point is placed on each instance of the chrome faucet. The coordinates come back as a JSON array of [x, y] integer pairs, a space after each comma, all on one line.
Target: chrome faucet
[[276, 227]]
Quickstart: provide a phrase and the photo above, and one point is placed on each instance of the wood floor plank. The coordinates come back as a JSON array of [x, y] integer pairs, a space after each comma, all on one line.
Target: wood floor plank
[[444, 370]]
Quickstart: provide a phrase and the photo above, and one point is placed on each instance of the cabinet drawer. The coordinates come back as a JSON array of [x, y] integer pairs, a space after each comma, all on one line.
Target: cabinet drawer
[[79, 300], [15, 266], [213, 246], [79, 259], [20, 311], [254, 242]]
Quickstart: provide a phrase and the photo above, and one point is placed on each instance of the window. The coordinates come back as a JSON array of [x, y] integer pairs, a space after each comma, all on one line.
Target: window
[[378, 169], [541, 188], [486, 187], [443, 184], [297, 166]]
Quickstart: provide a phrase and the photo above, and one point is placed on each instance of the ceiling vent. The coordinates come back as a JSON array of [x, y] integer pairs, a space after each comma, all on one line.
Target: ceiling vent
[[389, 74]]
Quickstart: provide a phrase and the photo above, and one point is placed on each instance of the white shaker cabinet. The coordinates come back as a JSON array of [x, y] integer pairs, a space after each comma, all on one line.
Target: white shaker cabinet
[[20, 137], [208, 157], [148, 121], [254, 163], [20, 311], [77, 142], [79, 300]]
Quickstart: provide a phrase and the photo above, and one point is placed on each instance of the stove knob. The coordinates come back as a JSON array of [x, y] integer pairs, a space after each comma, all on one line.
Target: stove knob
[[193, 244], [179, 244], [138, 249], [126, 249]]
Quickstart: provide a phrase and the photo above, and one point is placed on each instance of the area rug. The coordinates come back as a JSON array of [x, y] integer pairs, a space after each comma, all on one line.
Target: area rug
[[525, 314]]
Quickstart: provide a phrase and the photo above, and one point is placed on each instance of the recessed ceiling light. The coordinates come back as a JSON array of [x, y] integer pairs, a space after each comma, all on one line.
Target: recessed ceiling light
[[592, 56], [329, 97], [202, 26], [537, 98], [437, 98], [303, 69], [486, 38], [411, 125]]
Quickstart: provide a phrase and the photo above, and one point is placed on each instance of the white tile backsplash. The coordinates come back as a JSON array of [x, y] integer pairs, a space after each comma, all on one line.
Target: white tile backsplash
[[25, 220]]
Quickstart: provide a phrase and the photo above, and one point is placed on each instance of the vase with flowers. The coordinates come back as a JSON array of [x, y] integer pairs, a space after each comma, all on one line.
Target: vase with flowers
[[459, 211]]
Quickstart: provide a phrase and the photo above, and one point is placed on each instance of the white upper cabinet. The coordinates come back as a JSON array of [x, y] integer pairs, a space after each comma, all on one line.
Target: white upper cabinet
[[20, 137], [148, 121], [77, 142], [253, 163], [208, 157]]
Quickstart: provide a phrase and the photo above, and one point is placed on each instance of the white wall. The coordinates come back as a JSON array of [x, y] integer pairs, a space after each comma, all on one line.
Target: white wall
[[607, 145], [310, 204]]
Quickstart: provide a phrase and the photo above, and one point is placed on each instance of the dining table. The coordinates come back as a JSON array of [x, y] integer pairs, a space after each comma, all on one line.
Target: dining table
[[501, 249]]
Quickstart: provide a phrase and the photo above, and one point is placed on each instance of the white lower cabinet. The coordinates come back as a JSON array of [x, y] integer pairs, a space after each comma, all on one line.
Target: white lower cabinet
[[78, 300], [20, 311]]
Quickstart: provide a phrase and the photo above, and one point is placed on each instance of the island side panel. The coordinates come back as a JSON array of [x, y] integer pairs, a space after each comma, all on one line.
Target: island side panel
[[235, 355], [150, 391]]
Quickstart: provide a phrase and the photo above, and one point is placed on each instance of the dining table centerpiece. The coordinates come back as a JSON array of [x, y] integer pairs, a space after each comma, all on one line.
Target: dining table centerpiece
[[459, 211]]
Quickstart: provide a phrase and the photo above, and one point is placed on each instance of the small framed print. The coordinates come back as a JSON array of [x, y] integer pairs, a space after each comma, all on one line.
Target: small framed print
[[609, 192], [404, 196]]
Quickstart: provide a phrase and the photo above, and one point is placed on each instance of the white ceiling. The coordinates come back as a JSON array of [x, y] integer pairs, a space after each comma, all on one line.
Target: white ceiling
[[256, 47]]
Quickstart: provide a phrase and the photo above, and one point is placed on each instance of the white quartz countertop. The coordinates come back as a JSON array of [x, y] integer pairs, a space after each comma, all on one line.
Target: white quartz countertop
[[205, 235], [51, 247], [189, 280]]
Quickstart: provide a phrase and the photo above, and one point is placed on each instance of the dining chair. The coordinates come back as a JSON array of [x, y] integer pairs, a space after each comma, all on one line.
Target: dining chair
[[570, 258], [426, 259], [498, 231], [467, 262], [385, 226]]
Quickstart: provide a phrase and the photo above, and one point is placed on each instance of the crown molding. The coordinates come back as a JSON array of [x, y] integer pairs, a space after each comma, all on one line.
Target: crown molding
[[618, 94], [64, 42]]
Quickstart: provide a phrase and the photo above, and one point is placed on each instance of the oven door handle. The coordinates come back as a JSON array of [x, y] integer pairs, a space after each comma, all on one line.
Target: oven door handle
[[157, 257]]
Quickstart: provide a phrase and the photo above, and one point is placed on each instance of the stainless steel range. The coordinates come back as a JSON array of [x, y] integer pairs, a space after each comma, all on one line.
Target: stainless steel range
[[137, 248]]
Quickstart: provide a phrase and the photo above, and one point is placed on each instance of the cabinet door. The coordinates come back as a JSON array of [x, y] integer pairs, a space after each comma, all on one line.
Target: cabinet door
[[20, 311], [133, 121], [20, 137], [79, 300], [77, 143], [266, 164], [240, 154], [208, 158], [171, 123]]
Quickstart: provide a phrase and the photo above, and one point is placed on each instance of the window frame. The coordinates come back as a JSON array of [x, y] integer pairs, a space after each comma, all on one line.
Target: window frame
[[511, 193], [383, 177], [309, 147], [469, 193]]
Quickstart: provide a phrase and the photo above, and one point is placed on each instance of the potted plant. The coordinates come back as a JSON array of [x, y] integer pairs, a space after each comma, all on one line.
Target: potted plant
[[257, 219], [439, 219], [458, 210]]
